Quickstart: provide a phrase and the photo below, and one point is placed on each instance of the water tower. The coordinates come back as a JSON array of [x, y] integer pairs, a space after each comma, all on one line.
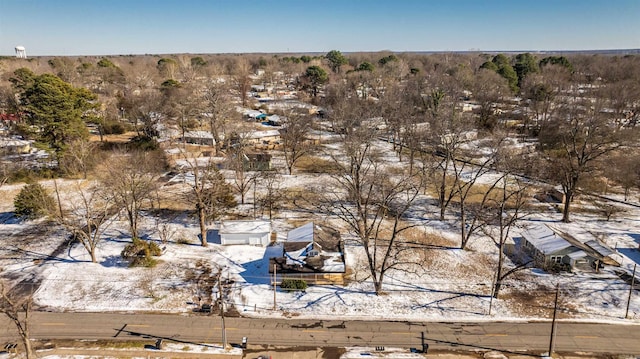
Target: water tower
[[21, 52]]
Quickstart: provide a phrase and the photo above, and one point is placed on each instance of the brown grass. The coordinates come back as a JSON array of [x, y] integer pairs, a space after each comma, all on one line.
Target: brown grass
[[122, 138], [313, 164]]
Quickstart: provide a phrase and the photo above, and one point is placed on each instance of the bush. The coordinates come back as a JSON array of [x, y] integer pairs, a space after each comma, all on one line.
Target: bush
[[293, 284], [33, 202], [140, 253], [144, 143], [113, 128]]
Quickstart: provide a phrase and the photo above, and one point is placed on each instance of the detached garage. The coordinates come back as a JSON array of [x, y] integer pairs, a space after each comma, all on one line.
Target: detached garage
[[245, 232]]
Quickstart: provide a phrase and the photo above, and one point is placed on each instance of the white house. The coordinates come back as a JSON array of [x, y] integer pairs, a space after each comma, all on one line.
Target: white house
[[245, 232]]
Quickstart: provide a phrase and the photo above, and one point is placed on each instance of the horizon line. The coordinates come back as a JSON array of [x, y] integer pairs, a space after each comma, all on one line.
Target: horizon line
[[470, 51]]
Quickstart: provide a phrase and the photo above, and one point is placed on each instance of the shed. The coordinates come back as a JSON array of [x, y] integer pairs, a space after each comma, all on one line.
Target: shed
[[245, 232]]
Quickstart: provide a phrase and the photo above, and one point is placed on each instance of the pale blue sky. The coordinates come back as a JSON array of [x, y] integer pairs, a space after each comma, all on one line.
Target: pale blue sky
[[88, 27]]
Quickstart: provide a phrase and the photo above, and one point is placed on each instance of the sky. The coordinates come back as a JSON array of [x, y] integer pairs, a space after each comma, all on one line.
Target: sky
[[112, 27]]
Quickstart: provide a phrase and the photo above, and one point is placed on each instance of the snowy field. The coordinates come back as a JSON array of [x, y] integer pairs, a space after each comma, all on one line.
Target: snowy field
[[451, 284]]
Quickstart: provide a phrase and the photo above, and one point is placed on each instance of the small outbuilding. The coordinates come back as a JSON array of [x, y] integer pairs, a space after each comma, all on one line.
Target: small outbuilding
[[245, 232]]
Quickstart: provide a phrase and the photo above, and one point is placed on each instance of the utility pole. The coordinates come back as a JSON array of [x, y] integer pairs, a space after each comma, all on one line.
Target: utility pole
[[254, 196], [633, 280], [275, 280], [552, 340], [220, 294]]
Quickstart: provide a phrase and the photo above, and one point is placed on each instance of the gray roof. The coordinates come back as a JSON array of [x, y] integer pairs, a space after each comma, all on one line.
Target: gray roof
[[545, 239], [303, 233], [602, 249]]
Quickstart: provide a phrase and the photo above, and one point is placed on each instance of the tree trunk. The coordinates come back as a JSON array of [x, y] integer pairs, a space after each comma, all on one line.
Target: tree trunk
[[442, 193], [566, 210], [203, 225], [92, 252], [463, 226], [496, 288], [28, 351]]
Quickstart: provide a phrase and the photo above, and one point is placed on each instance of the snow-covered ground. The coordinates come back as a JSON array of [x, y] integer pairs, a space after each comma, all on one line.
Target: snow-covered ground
[[451, 284]]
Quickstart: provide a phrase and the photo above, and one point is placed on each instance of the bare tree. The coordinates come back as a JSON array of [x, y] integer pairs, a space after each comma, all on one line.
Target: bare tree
[[271, 196], [209, 193], [575, 142], [295, 143], [464, 187], [79, 157], [182, 106], [17, 308], [132, 179], [242, 81], [143, 109], [488, 89], [217, 110], [87, 216], [372, 202], [504, 209], [625, 170], [542, 91], [243, 178]]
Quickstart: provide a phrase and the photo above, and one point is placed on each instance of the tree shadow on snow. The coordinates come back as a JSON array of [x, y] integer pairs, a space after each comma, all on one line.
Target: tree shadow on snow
[[213, 236], [257, 271], [9, 218], [631, 253], [114, 261]]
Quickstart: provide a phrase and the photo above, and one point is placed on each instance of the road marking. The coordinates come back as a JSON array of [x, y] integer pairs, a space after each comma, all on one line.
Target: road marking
[[496, 335], [313, 331], [139, 325], [587, 336], [401, 333], [60, 324]]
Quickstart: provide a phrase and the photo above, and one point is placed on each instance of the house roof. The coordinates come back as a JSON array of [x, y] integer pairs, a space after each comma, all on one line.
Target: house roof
[[262, 134], [577, 254], [313, 237], [303, 233], [600, 248], [545, 239], [249, 227], [198, 134]]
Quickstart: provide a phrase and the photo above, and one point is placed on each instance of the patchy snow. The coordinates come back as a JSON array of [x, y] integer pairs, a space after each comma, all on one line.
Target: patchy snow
[[167, 347], [449, 283]]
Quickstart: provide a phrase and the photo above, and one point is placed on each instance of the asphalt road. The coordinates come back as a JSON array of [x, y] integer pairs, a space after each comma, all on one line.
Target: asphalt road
[[516, 337]]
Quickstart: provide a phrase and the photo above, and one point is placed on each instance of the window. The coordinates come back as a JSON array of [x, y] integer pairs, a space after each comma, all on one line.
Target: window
[[556, 259]]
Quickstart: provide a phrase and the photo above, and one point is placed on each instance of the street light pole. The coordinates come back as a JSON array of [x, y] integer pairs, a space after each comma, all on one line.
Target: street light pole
[[275, 280]]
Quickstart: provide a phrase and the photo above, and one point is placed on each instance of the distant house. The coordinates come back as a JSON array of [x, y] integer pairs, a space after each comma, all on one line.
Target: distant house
[[267, 138], [245, 232], [257, 161], [550, 248], [199, 138], [12, 146], [312, 252]]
